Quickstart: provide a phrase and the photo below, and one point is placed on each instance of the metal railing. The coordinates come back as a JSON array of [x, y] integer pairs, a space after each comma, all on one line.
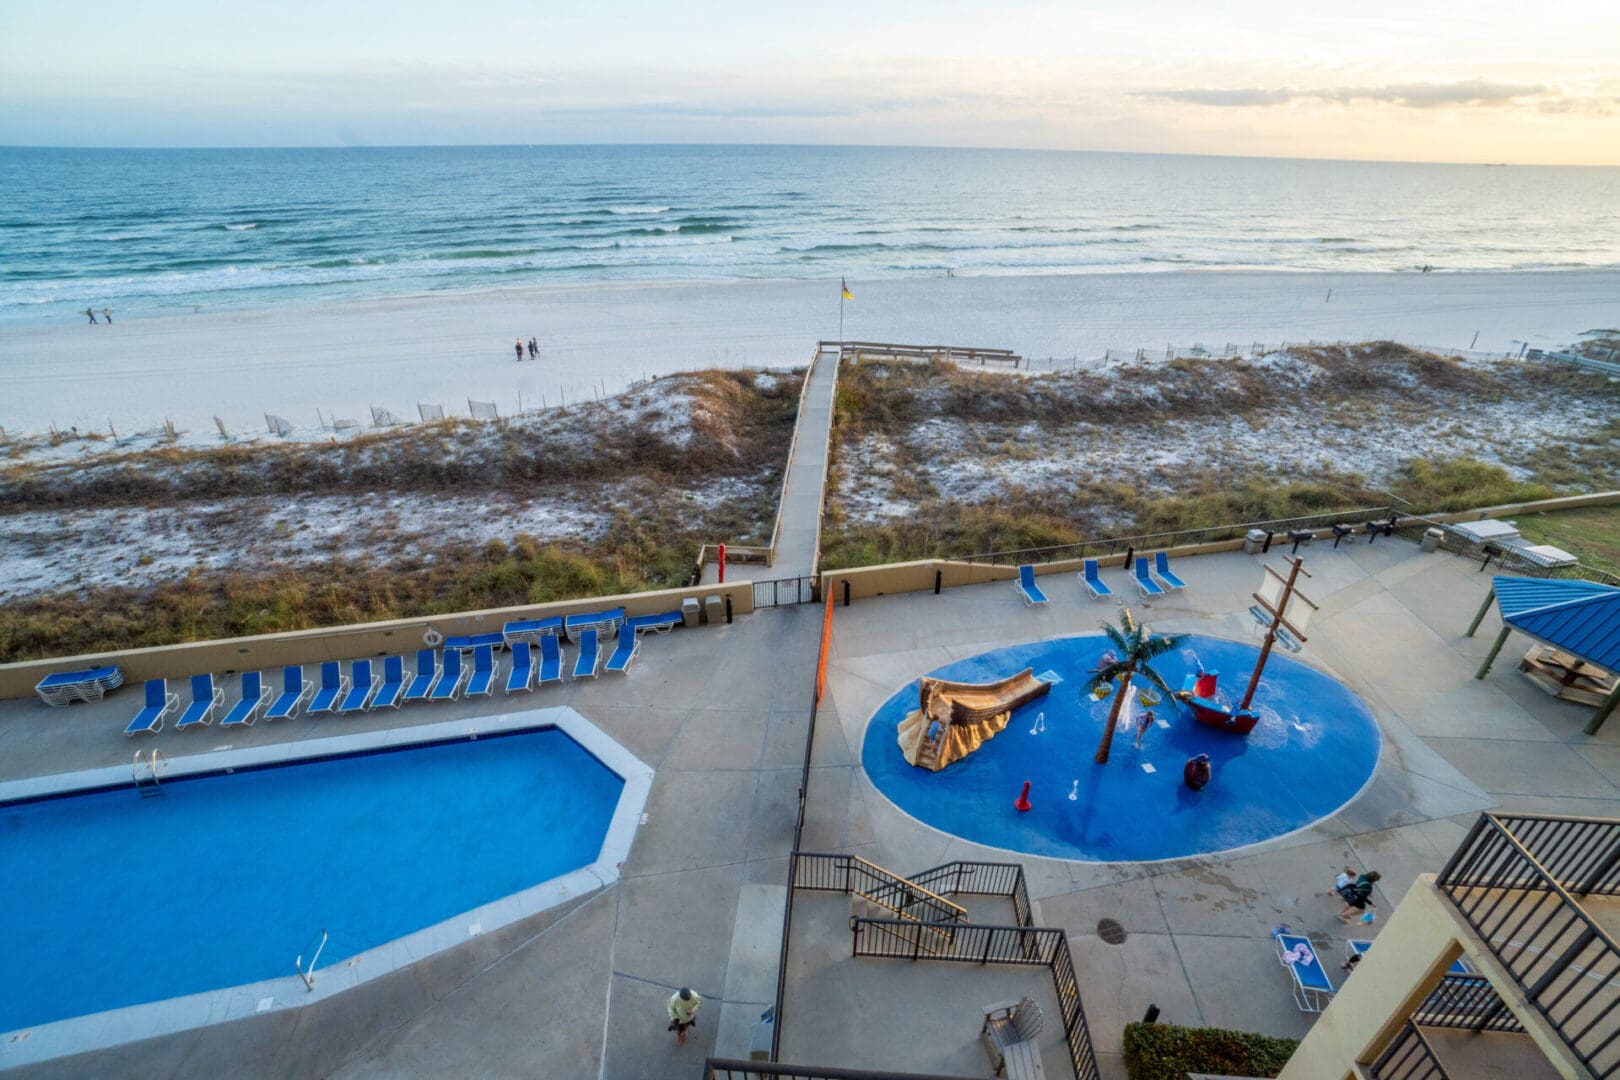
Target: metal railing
[[1514, 880], [963, 878], [1091, 549], [1466, 1001], [907, 897], [729, 1069], [782, 592], [1408, 1057]]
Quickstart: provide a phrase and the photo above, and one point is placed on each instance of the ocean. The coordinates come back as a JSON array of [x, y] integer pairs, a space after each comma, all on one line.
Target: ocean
[[151, 232]]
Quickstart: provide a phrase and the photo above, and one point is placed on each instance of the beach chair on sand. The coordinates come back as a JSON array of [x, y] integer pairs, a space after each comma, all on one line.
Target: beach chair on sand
[[551, 660], [589, 653], [1143, 582], [451, 675], [1312, 989], [1027, 588], [334, 684], [254, 696], [363, 683], [1161, 572], [1089, 578], [295, 690], [393, 684], [629, 645], [521, 677], [159, 703], [483, 672], [427, 673], [205, 698]]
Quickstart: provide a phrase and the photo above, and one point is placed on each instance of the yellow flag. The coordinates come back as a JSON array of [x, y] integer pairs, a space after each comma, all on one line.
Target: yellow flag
[[847, 294]]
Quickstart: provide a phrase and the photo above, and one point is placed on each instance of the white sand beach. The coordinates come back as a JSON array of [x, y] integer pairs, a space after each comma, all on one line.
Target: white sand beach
[[341, 358]]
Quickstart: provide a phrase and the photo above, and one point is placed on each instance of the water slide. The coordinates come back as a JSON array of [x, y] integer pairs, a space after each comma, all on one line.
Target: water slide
[[953, 719]]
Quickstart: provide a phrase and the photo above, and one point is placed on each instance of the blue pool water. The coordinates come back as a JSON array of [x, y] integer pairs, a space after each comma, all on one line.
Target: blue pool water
[[1315, 747], [113, 900]]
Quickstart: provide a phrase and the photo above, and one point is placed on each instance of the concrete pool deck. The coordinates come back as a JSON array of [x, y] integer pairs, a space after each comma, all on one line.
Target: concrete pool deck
[[721, 714]]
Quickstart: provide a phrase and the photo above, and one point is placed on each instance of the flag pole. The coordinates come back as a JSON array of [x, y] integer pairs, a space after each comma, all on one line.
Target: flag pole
[[842, 289]]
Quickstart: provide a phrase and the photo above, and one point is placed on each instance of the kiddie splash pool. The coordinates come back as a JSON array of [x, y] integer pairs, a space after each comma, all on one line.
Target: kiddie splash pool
[[1315, 747], [153, 908]]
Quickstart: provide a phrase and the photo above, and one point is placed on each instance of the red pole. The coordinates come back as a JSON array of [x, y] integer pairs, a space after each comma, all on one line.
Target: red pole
[[722, 564]]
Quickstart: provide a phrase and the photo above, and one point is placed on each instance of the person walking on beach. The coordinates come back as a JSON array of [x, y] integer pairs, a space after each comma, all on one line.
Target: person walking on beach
[[683, 1009], [1357, 896], [106, 313], [519, 348], [534, 349], [90, 311]]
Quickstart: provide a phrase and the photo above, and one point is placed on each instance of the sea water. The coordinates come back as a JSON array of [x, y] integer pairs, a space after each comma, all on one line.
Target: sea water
[[154, 231]]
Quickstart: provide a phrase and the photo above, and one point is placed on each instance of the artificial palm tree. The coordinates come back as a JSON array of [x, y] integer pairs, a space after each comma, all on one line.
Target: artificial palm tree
[[1134, 646]]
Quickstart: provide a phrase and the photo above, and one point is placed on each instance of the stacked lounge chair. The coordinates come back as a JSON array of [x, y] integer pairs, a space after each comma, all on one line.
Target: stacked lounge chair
[[334, 684], [661, 623], [90, 684], [159, 703], [468, 642], [362, 684], [531, 630], [1143, 582], [1027, 588], [1162, 574], [521, 677], [255, 695], [393, 684], [205, 698], [1090, 579], [589, 653], [603, 622], [629, 645], [295, 690]]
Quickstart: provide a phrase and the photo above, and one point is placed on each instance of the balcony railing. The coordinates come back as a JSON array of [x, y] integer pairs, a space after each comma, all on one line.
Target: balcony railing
[[1468, 1002], [727, 1069], [1515, 880], [1409, 1057]]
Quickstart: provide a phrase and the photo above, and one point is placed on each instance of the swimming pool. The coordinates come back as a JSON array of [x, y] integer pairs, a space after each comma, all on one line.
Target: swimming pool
[[1314, 749], [114, 900]]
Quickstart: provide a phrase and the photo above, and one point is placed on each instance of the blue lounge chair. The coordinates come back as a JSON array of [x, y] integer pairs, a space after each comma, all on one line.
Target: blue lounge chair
[[661, 623], [1145, 584], [205, 698], [531, 630], [1459, 966], [629, 645], [1090, 580], [451, 675], [551, 661], [1312, 990], [427, 673], [334, 684], [159, 703], [1161, 571], [295, 690], [521, 677], [254, 696], [469, 642], [589, 653], [362, 684], [483, 672], [1027, 588], [603, 622], [393, 684]]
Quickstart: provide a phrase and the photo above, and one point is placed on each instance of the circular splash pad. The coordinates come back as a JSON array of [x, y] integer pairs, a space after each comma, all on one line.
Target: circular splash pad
[[1315, 747]]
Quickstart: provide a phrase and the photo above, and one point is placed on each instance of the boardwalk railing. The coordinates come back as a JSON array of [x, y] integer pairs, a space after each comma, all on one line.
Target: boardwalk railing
[[1515, 880], [1409, 1057], [859, 351]]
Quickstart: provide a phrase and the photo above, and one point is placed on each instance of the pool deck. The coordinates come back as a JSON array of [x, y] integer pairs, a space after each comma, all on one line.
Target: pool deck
[[721, 714]]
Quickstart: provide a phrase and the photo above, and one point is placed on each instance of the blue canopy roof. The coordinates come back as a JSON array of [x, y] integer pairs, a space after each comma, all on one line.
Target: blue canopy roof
[[1580, 617]]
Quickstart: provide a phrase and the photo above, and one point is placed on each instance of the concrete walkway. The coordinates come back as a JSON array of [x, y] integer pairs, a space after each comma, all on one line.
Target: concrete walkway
[[798, 540]]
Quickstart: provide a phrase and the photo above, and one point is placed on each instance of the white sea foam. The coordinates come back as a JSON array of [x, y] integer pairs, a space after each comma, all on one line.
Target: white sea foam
[[243, 227], [638, 209]]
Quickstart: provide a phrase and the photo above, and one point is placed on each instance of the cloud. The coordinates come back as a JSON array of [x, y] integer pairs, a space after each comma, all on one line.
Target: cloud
[[1471, 93]]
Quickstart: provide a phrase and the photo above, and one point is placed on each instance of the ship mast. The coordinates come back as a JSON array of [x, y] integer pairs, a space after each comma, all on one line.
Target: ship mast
[[1278, 621]]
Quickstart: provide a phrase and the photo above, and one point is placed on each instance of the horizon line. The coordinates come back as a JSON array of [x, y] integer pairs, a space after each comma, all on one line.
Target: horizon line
[[812, 146]]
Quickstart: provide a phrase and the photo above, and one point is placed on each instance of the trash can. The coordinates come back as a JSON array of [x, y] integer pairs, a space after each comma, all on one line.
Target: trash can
[[690, 612], [714, 609], [1431, 539], [1254, 541]]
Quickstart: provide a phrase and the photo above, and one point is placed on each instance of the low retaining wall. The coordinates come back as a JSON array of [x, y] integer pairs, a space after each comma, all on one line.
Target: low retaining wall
[[269, 651]]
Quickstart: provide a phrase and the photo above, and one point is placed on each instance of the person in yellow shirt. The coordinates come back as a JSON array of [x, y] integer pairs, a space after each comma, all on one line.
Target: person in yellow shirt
[[683, 1008]]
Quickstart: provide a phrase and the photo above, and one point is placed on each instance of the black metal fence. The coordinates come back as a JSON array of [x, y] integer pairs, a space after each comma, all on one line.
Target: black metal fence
[[781, 592], [1466, 1001], [1515, 879], [910, 898], [1409, 1057], [727, 1069]]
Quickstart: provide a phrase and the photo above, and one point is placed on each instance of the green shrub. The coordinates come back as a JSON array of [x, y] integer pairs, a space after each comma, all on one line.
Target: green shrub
[[1168, 1052]]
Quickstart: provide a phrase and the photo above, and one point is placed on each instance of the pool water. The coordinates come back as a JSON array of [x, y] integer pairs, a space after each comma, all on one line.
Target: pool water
[[113, 900], [1315, 747]]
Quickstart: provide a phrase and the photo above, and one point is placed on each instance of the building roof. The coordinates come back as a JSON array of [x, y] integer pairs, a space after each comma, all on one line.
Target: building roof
[[1580, 617]]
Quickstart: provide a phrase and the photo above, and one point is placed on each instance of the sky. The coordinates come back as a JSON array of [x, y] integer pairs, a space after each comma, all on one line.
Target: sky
[[1410, 80]]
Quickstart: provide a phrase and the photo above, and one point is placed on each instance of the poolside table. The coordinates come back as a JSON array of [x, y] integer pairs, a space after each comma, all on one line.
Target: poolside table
[[88, 685]]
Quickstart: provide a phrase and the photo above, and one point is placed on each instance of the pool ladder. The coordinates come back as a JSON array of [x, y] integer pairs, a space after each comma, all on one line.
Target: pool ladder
[[146, 780]]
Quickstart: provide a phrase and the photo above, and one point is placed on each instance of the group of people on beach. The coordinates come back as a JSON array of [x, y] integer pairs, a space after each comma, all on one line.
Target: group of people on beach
[[533, 347], [106, 313]]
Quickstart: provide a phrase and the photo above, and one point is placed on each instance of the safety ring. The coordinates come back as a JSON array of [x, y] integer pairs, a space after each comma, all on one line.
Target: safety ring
[[432, 638]]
